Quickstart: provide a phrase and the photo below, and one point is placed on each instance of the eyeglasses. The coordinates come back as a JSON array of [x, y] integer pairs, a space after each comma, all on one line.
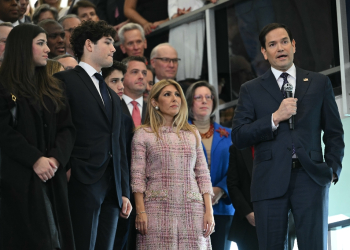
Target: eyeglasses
[[168, 60], [54, 35], [199, 98]]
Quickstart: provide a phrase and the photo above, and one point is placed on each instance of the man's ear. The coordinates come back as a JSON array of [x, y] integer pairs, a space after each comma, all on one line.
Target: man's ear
[[293, 44], [88, 45]]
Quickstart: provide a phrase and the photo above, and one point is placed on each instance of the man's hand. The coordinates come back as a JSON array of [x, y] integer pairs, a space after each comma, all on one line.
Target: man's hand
[[218, 193], [287, 108], [126, 209], [251, 219]]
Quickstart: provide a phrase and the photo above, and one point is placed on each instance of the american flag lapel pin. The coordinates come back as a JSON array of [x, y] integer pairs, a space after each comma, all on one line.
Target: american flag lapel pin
[[305, 79]]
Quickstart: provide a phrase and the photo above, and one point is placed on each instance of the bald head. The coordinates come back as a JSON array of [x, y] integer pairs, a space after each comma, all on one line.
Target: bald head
[[164, 61]]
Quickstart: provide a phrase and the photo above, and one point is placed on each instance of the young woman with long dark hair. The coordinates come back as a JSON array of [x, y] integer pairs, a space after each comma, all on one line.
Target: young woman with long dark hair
[[36, 139]]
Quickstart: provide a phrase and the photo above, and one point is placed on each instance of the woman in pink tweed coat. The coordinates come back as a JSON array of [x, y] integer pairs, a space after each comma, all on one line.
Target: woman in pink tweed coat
[[169, 176]]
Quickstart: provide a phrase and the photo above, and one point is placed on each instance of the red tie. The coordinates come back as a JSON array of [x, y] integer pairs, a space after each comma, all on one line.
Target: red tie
[[136, 114]]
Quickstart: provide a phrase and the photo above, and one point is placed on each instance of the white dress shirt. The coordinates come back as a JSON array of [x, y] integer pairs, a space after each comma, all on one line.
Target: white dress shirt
[[128, 101], [292, 77]]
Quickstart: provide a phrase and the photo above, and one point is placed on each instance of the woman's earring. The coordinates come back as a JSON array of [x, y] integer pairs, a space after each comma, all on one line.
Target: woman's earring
[[156, 107]]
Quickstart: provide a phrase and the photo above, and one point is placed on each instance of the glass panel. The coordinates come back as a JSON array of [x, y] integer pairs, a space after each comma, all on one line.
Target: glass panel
[[313, 24]]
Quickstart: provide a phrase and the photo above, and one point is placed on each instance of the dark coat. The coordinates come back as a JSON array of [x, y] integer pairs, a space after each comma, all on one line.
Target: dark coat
[[98, 140], [239, 176], [23, 217]]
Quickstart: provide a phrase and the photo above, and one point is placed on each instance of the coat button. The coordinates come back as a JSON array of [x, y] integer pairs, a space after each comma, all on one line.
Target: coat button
[[45, 125]]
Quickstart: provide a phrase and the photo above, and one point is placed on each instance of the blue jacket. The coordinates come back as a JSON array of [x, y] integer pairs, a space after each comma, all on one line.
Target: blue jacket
[[219, 165]]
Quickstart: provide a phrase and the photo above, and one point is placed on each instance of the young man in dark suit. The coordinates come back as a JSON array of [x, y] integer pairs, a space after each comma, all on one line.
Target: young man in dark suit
[[290, 172], [98, 185]]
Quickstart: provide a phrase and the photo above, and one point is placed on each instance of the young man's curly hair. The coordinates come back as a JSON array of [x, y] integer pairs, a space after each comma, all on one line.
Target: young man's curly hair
[[91, 30]]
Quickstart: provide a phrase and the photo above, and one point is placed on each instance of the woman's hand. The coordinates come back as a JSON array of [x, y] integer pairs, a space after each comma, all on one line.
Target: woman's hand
[[148, 27], [141, 223], [181, 12], [45, 168], [209, 223]]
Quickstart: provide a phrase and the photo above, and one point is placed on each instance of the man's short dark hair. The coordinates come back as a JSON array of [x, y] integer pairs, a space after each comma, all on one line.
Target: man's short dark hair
[[91, 30], [115, 66], [41, 9], [268, 28], [133, 58], [83, 4]]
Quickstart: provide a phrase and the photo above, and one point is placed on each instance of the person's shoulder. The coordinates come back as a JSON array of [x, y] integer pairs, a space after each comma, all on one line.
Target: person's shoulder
[[311, 74], [67, 73]]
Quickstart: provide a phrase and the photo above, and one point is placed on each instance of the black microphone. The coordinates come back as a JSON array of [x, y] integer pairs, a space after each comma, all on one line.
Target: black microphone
[[288, 89]]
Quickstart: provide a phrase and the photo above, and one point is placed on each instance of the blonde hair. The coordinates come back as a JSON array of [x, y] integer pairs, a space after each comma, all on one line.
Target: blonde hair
[[53, 67], [154, 118]]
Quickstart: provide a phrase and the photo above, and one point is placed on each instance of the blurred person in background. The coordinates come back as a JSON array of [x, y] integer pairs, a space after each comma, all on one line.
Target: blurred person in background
[[23, 5], [9, 11], [68, 61], [69, 23], [150, 82], [55, 37], [85, 10], [57, 5], [5, 29], [44, 12]]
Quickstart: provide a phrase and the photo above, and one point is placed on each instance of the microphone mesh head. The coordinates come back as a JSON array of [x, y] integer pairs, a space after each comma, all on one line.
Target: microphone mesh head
[[288, 87]]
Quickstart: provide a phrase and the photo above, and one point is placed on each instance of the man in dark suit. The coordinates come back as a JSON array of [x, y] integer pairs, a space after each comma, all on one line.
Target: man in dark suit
[[98, 187], [134, 107], [289, 171], [134, 86]]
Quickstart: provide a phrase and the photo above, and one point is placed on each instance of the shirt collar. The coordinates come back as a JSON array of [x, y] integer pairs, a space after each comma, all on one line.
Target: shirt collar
[[88, 68], [127, 100], [291, 71]]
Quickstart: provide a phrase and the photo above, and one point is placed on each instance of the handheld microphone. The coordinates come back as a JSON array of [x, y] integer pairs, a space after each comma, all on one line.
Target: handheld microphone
[[288, 89]]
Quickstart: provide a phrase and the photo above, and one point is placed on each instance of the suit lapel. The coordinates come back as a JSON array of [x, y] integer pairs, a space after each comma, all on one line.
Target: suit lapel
[[302, 84], [269, 83], [91, 86]]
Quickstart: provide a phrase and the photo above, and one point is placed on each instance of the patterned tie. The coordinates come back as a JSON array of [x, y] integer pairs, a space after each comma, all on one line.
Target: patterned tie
[[284, 75], [136, 114], [105, 96]]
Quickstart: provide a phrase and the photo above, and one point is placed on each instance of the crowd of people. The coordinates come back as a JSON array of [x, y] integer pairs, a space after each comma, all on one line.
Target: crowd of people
[[101, 148]]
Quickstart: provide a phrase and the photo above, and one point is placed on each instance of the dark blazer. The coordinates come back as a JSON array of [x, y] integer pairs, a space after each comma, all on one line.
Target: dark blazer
[[127, 112], [39, 132], [317, 112], [105, 10], [97, 139], [239, 176]]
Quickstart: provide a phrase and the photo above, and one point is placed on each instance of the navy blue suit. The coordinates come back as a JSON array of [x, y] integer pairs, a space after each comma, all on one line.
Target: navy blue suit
[[272, 177], [99, 169]]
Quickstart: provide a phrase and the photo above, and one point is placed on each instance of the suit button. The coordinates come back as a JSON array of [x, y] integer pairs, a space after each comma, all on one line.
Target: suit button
[[45, 125], [110, 154]]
